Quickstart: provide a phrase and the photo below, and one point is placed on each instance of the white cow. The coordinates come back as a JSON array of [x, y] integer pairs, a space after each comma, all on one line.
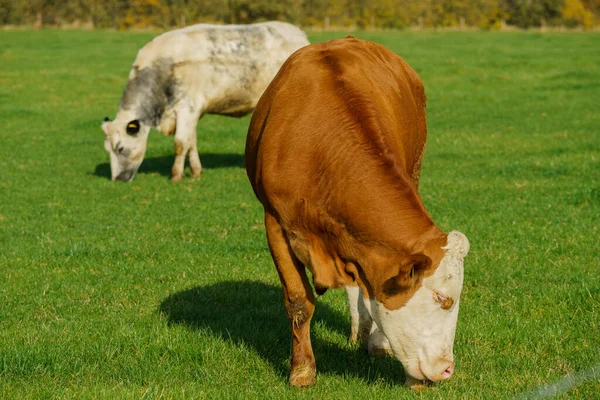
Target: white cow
[[183, 74]]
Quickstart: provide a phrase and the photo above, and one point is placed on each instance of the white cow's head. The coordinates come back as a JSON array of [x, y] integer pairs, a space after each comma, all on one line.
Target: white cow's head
[[421, 328], [126, 139]]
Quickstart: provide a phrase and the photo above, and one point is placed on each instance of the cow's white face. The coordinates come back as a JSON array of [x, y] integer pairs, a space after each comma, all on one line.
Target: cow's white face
[[421, 332], [125, 142]]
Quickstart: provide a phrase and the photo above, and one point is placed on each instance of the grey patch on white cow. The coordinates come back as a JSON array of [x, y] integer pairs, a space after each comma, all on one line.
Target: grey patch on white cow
[[241, 43], [274, 32], [245, 39], [151, 90]]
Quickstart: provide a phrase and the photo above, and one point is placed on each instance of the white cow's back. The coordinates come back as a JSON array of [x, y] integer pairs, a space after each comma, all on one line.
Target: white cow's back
[[196, 43]]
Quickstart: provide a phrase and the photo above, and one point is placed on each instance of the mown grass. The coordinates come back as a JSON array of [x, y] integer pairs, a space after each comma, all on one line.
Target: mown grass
[[161, 290]]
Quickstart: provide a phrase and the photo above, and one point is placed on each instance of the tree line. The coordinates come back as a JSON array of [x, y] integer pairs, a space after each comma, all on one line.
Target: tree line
[[327, 14]]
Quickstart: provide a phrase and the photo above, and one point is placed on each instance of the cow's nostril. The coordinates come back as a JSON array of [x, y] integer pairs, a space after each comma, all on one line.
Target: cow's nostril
[[448, 372]]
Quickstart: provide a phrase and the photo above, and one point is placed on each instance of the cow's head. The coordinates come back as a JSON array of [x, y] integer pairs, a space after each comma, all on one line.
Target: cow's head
[[126, 139], [417, 310]]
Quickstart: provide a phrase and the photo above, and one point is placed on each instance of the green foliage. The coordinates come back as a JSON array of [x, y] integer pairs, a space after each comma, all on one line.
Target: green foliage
[[248, 11], [527, 13], [161, 290], [125, 14], [575, 14]]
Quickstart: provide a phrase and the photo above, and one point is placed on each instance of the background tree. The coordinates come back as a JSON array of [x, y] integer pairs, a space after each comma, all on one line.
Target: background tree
[[528, 13], [364, 14], [574, 13]]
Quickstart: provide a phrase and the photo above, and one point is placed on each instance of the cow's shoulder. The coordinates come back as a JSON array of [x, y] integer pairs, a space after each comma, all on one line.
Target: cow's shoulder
[[179, 45]]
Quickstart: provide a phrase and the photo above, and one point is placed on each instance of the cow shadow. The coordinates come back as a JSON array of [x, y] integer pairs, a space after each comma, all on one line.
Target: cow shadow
[[250, 313], [162, 165]]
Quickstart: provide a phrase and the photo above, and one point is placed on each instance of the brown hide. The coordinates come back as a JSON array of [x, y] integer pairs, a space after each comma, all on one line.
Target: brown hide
[[334, 152]]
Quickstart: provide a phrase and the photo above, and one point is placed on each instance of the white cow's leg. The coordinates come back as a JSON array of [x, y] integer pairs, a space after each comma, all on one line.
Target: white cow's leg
[[361, 322], [186, 142]]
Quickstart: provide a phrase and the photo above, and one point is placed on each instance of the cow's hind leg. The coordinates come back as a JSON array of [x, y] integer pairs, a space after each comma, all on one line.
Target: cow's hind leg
[[299, 302], [186, 143], [360, 319], [363, 329]]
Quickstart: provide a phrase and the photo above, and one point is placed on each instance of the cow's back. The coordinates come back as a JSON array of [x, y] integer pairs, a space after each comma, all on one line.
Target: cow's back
[[341, 126], [207, 43], [224, 68]]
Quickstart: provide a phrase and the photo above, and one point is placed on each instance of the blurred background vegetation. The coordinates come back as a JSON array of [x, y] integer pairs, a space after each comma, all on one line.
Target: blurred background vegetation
[[325, 14]]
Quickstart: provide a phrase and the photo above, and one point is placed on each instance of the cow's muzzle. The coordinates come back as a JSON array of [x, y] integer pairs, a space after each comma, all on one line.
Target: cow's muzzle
[[125, 176]]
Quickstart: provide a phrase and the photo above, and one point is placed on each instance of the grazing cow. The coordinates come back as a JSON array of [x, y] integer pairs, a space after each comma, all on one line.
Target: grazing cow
[[186, 73], [333, 153]]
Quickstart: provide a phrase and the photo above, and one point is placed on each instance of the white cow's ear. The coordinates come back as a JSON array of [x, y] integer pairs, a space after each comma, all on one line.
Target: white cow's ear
[[105, 126]]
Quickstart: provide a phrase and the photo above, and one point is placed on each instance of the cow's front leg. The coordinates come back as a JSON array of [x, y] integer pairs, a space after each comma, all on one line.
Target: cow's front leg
[[299, 302], [186, 143], [194, 157], [360, 319]]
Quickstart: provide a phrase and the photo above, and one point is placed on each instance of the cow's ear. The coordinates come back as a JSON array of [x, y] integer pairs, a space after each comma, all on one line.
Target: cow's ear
[[133, 127], [105, 126], [410, 273], [412, 269]]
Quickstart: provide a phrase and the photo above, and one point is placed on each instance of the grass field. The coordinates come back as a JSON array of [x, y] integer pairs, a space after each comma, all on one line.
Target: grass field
[[160, 290]]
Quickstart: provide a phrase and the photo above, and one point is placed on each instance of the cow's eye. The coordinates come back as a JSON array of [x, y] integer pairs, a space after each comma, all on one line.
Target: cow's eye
[[445, 301], [133, 127]]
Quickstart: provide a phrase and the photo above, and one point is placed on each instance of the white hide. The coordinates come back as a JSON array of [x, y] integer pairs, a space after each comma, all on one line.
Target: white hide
[[421, 333]]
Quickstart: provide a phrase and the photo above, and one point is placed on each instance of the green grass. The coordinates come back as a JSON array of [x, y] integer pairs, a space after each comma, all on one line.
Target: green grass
[[160, 290]]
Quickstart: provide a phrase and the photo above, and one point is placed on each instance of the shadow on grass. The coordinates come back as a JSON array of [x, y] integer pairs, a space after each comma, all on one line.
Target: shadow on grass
[[162, 165], [252, 314]]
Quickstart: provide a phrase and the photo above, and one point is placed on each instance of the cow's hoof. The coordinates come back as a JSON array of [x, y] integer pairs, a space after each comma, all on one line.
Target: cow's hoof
[[362, 338], [196, 174], [176, 178], [303, 377]]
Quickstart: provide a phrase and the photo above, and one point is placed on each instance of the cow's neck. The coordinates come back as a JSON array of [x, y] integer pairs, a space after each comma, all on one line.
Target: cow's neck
[[150, 90], [338, 254], [396, 219]]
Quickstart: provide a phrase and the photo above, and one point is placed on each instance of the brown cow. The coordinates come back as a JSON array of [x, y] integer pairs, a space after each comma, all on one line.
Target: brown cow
[[333, 153]]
